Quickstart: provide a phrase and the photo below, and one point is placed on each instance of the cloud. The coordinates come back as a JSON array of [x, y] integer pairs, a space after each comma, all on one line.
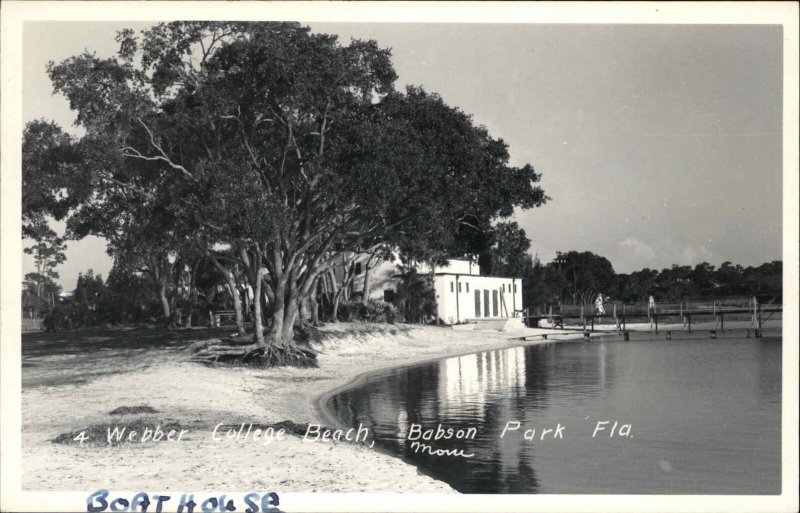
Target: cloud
[[636, 250], [693, 256]]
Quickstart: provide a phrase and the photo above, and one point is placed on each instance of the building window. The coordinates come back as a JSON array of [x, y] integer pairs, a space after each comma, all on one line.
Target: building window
[[467, 286], [388, 295], [459, 286], [503, 286], [515, 288], [494, 303], [451, 286], [358, 268]]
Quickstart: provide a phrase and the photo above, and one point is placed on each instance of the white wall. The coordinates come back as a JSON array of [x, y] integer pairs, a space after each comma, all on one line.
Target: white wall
[[455, 306]]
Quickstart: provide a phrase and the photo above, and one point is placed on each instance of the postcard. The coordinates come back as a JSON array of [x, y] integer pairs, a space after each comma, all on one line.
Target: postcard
[[356, 256]]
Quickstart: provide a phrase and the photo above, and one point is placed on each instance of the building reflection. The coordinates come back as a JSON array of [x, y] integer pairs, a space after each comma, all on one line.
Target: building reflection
[[484, 391]]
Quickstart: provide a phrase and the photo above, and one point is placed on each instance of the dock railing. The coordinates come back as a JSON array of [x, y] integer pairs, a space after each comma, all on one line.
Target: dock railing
[[618, 308]]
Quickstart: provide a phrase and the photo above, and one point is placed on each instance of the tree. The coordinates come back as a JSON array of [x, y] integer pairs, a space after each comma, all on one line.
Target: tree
[[415, 297], [49, 165], [583, 275], [702, 277], [130, 297], [675, 283], [48, 253], [508, 255], [90, 298], [285, 146], [637, 286], [39, 293]]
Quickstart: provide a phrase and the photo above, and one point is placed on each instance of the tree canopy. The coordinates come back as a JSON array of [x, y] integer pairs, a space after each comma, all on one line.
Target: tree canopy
[[282, 145]]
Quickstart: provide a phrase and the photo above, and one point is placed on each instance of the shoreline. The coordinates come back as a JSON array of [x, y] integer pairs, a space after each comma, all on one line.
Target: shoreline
[[325, 416], [569, 333], [65, 392]]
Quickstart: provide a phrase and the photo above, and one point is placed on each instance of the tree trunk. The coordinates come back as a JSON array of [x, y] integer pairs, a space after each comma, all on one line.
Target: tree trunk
[[37, 307], [237, 304], [324, 297], [192, 295], [162, 295], [314, 303], [276, 329], [435, 300], [258, 325], [334, 296], [365, 290], [230, 280], [335, 309], [289, 317]]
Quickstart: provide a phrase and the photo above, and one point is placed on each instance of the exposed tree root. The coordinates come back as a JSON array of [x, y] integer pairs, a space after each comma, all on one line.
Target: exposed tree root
[[270, 355], [273, 355]]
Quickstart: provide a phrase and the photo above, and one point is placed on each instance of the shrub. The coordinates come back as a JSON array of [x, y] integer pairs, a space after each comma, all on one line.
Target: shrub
[[57, 320], [373, 311], [381, 311], [349, 311], [415, 298]]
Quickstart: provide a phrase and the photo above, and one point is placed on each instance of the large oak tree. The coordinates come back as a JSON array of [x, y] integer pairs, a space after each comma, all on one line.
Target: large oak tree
[[282, 146]]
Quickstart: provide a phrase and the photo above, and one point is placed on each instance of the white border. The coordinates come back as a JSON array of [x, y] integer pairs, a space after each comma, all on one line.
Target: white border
[[15, 13]]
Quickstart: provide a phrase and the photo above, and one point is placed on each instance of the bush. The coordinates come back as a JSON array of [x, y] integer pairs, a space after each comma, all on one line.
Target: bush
[[381, 311], [373, 311], [57, 320], [415, 298]]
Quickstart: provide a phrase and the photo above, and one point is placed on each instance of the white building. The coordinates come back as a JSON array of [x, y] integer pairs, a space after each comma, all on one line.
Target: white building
[[462, 294]]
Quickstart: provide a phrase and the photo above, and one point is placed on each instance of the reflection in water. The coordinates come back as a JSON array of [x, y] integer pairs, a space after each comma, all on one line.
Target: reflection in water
[[705, 415]]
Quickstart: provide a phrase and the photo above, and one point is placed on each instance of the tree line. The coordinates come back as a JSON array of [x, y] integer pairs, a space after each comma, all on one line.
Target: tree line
[[577, 277]]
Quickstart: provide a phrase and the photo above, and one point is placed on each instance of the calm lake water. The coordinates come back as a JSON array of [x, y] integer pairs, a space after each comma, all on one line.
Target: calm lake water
[[704, 416]]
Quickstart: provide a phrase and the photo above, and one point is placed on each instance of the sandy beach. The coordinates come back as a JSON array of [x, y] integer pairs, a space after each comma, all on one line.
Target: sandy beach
[[71, 389], [64, 394]]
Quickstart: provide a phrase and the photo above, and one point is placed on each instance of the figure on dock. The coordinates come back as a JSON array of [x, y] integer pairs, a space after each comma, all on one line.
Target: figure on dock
[[598, 303], [651, 305]]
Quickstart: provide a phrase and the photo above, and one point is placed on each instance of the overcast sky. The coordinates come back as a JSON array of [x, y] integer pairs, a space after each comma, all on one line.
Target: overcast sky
[[658, 144]]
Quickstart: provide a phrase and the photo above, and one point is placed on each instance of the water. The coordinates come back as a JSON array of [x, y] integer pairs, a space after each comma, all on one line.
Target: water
[[704, 416]]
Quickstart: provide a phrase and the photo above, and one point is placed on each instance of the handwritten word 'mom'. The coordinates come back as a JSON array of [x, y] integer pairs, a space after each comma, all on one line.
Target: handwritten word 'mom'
[[253, 502], [417, 433]]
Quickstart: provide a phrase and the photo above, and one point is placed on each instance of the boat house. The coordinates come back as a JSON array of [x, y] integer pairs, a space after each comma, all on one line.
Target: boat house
[[463, 295]]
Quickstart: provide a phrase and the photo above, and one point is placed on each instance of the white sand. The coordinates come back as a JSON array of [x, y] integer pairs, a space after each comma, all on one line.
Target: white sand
[[200, 397]]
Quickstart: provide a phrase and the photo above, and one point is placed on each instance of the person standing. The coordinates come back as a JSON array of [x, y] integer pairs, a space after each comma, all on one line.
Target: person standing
[[598, 303]]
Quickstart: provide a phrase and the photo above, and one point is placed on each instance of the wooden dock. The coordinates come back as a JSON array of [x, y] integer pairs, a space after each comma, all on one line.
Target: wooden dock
[[621, 314]]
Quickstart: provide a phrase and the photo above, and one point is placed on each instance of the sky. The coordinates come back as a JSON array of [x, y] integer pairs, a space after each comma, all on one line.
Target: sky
[[657, 144]]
